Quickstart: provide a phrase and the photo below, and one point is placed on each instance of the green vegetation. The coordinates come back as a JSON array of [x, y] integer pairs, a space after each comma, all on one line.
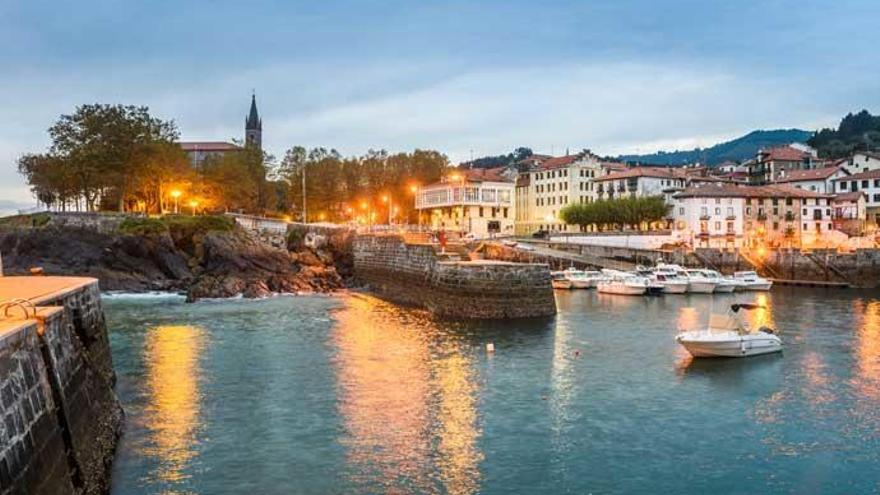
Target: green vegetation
[[500, 160], [177, 223], [859, 132], [24, 221], [601, 214]]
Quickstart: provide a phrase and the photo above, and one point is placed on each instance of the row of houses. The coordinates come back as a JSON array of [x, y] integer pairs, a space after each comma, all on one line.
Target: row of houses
[[785, 197]]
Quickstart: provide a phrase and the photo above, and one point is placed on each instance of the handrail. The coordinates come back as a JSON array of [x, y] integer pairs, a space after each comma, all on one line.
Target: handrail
[[21, 303]]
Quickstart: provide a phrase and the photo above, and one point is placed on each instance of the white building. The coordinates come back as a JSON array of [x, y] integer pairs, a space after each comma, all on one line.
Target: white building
[[552, 183], [818, 180], [861, 161], [710, 216], [642, 181], [476, 201], [868, 183]]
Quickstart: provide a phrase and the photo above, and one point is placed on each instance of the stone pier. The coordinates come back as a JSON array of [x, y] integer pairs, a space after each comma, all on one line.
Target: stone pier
[[59, 417], [411, 273]]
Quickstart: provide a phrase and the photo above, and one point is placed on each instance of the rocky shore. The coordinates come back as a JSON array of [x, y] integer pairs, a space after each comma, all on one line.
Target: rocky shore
[[205, 257]]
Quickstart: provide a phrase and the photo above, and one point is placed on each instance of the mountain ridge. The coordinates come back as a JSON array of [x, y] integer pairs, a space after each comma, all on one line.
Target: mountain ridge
[[739, 149]]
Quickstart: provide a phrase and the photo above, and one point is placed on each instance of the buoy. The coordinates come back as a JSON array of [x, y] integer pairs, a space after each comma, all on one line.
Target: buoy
[[490, 347]]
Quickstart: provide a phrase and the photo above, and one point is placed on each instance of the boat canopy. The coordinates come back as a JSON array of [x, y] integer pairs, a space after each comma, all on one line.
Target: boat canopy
[[746, 306]]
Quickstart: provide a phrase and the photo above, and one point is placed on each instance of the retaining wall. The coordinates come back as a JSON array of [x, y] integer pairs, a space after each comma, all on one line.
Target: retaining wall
[[61, 418], [412, 274]]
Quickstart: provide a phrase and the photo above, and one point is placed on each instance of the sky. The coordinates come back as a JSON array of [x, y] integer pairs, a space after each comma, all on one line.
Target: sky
[[462, 77]]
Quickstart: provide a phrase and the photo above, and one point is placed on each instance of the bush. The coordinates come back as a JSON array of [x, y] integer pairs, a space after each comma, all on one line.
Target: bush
[[178, 225]]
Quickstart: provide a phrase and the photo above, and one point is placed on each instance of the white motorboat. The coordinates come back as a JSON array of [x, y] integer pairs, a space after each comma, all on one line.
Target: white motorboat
[[753, 281], [669, 277], [722, 285], [578, 278], [594, 277], [697, 282], [559, 281], [730, 336], [658, 283], [622, 283]]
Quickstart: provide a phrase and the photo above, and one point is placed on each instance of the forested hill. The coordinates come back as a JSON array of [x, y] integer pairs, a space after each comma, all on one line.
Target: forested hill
[[856, 132], [739, 149]]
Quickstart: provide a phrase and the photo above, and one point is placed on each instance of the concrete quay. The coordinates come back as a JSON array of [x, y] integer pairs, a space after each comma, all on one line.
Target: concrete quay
[[413, 273], [59, 417]]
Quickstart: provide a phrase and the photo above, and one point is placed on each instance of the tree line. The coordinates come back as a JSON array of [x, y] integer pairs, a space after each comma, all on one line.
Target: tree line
[[616, 213], [856, 132], [121, 158]]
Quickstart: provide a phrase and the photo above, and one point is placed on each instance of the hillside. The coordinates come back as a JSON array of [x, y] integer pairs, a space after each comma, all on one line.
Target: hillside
[[856, 132], [739, 149]]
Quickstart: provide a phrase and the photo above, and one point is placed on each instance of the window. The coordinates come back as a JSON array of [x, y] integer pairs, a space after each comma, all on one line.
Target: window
[[775, 201], [748, 210], [864, 184], [788, 201], [876, 182], [481, 212], [877, 198], [730, 211], [842, 185], [717, 201], [775, 225], [730, 227], [829, 226], [681, 211], [717, 226], [717, 211], [804, 212], [704, 212], [806, 227], [775, 210]]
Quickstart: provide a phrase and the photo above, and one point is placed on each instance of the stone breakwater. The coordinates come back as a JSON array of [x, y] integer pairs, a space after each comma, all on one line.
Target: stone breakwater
[[59, 417], [413, 274]]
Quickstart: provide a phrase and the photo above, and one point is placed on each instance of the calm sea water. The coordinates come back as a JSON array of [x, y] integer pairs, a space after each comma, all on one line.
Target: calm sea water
[[350, 394]]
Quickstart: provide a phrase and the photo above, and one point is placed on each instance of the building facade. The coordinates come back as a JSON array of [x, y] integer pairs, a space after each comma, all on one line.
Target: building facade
[[551, 183], [867, 183], [480, 202], [820, 180], [772, 163], [199, 151]]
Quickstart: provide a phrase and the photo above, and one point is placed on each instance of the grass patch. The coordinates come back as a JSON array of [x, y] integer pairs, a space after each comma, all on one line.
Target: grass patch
[[36, 220], [178, 225]]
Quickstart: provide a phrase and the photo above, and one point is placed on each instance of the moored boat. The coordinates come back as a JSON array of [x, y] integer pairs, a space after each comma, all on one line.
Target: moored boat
[[578, 278], [622, 283], [559, 281], [753, 281], [730, 336]]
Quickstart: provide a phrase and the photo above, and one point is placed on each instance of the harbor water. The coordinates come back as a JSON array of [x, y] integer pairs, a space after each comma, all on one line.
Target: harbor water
[[349, 394]]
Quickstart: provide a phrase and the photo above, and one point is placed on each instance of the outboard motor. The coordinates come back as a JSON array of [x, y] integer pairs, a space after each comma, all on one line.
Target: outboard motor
[[767, 330]]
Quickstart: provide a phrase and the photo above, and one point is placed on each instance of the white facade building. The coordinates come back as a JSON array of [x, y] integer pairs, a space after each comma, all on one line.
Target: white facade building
[[861, 161], [477, 201], [869, 184], [818, 180]]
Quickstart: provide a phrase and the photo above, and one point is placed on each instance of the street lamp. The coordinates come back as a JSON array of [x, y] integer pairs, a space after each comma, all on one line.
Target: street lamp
[[176, 195], [193, 204], [387, 199]]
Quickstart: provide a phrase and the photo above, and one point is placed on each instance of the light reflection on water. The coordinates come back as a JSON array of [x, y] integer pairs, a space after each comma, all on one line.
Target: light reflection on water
[[276, 397], [408, 401]]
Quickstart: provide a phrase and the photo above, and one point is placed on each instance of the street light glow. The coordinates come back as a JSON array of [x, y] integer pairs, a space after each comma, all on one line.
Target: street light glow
[[175, 194]]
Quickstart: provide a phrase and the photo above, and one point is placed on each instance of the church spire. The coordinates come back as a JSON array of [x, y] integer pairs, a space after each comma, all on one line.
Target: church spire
[[253, 126]]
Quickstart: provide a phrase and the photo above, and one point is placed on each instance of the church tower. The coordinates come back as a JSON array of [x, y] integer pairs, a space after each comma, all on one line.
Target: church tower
[[253, 126]]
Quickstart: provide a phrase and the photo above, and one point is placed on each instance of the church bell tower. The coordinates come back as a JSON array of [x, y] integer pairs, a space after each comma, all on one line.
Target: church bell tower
[[253, 126]]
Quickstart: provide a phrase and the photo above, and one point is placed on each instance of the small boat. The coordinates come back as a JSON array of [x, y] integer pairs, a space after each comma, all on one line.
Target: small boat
[[578, 278], [753, 281], [730, 336], [622, 283], [559, 281], [722, 285], [594, 277], [662, 282]]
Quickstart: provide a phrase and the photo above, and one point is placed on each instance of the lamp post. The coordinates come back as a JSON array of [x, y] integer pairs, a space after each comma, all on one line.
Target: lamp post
[[414, 190], [305, 211], [193, 204], [387, 199], [176, 195]]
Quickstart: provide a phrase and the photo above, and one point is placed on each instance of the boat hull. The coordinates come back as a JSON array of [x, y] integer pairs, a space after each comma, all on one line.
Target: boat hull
[[701, 287], [758, 286], [699, 345], [581, 284], [675, 288], [561, 284], [725, 288], [621, 290]]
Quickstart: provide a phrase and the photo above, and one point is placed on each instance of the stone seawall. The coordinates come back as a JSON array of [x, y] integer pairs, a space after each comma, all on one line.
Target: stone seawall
[[412, 274], [60, 417]]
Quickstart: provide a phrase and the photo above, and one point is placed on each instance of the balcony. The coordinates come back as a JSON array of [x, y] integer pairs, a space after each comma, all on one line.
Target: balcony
[[730, 217], [762, 216], [705, 217]]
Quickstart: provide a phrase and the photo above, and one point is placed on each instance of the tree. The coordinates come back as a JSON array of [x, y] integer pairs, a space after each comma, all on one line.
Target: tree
[[632, 211]]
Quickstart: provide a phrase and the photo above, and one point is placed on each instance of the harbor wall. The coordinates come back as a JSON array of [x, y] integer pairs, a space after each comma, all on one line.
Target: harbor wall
[[413, 274], [61, 419]]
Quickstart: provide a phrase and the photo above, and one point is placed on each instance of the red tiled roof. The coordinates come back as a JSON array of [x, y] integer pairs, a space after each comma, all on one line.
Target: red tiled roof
[[741, 191], [870, 174], [486, 174], [784, 153], [850, 196], [658, 172], [558, 162], [812, 174], [616, 166], [207, 146]]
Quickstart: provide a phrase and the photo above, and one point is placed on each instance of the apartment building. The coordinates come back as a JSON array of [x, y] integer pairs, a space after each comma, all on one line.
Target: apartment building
[[728, 215], [818, 180], [868, 183], [552, 183], [480, 202], [770, 164]]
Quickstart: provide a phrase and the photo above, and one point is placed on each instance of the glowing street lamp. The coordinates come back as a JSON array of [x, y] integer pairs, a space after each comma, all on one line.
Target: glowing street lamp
[[193, 204], [176, 195], [387, 199]]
